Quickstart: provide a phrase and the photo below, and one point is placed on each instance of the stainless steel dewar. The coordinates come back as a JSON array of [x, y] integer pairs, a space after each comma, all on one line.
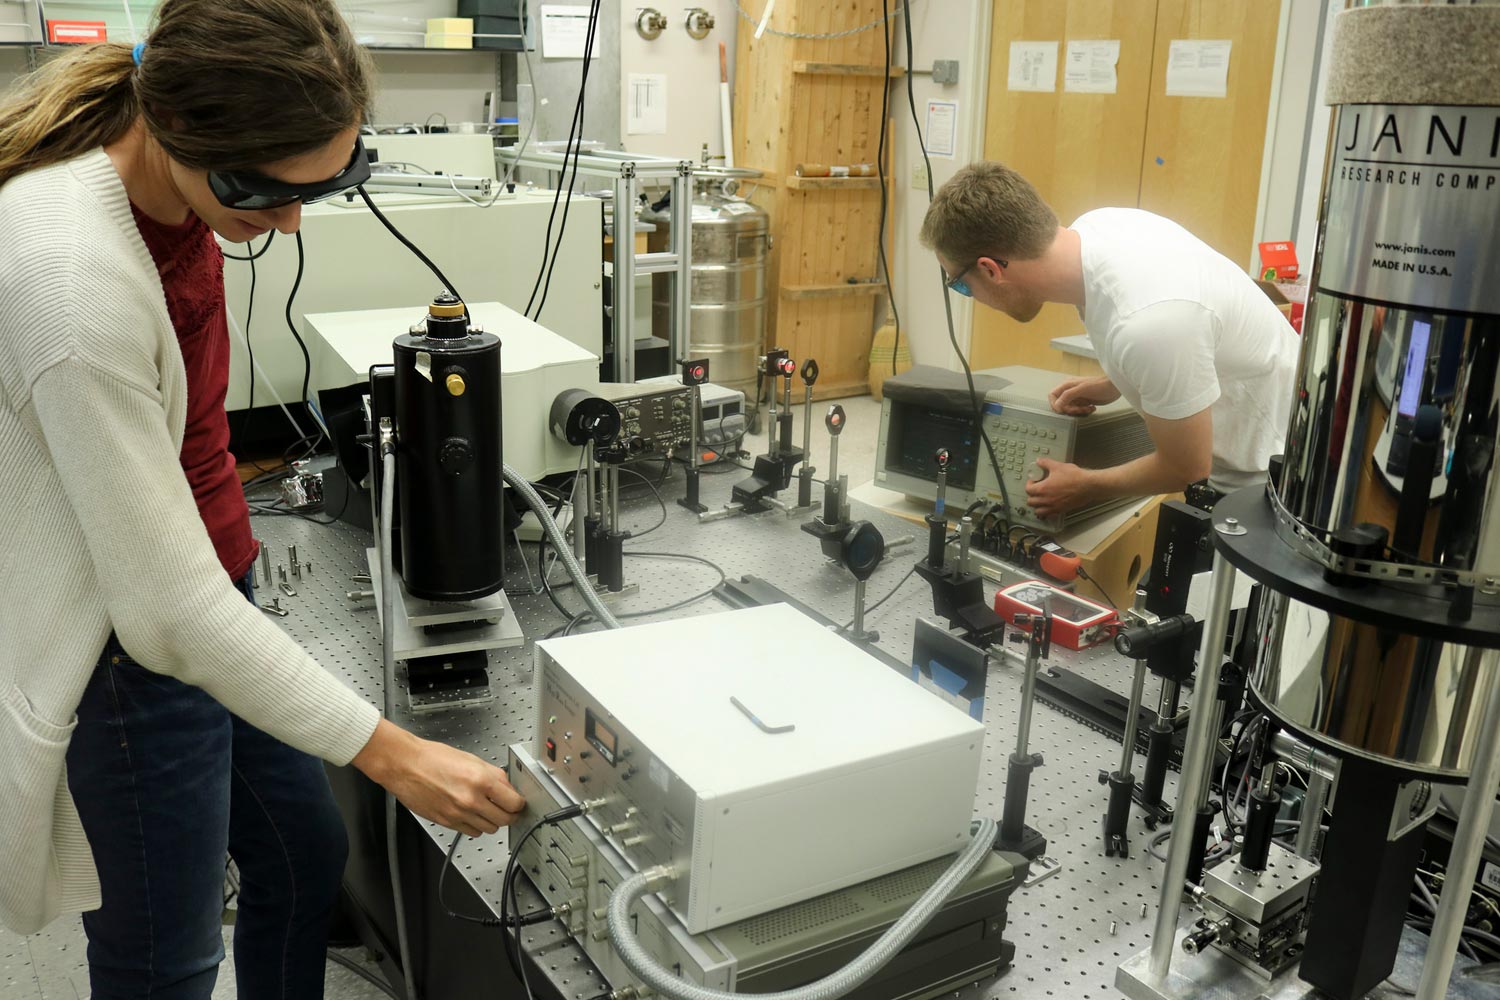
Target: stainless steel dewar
[[731, 237], [1396, 423]]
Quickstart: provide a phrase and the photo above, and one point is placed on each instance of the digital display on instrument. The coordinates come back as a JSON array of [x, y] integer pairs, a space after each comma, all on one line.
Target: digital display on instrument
[[601, 736], [916, 434], [1063, 607], [1416, 367]]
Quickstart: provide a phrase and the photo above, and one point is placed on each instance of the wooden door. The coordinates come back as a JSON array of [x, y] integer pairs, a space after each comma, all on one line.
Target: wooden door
[[1082, 151], [816, 101], [1201, 164]]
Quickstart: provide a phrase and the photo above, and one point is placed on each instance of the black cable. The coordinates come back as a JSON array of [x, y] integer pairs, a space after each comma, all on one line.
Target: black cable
[[575, 147], [250, 349], [507, 889], [254, 254], [989, 446], [660, 502], [586, 617], [885, 104], [258, 510], [541, 558], [562, 226], [306, 358], [557, 193], [1083, 575], [361, 972], [448, 285], [522, 920], [869, 610], [892, 594]]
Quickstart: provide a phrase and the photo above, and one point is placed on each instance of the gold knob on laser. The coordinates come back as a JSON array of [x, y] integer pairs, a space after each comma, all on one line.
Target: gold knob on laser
[[455, 384]]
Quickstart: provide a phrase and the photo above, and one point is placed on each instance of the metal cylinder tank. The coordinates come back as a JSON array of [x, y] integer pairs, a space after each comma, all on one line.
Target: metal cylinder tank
[[730, 240], [1396, 419], [448, 457]]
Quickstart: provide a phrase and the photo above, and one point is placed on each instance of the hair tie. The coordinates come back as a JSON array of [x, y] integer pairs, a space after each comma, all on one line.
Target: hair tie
[[138, 51]]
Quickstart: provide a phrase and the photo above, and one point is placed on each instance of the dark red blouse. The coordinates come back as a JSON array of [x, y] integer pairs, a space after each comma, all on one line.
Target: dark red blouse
[[191, 266]]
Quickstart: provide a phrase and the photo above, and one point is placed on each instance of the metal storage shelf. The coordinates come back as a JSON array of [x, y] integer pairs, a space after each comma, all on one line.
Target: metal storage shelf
[[627, 171]]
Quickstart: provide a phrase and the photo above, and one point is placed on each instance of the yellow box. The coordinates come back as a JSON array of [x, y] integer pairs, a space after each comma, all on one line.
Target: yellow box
[[450, 33]]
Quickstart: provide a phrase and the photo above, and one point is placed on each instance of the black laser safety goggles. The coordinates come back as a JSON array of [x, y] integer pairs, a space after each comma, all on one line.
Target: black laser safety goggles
[[248, 191]]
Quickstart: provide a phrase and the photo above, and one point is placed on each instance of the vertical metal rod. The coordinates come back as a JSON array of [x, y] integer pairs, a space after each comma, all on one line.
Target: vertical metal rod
[[859, 608], [1313, 804], [1166, 703], [682, 283], [1216, 720], [1028, 696], [624, 279], [807, 428], [1132, 716], [1196, 756], [265, 563], [844, 499], [697, 419], [833, 460], [580, 487], [965, 534], [771, 423], [592, 486], [613, 476], [1468, 843]]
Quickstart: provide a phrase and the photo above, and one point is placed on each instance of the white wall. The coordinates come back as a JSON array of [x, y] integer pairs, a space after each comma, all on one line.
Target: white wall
[[415, 85], [1319, 119], [941, 29], [691, 69], [557, 83], [1297, 130]]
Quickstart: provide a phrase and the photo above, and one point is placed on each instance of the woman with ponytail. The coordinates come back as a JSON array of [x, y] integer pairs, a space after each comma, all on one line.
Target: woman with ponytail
[[151, 718]]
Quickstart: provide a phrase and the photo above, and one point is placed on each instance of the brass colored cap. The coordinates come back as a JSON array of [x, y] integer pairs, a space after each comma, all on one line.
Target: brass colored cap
[[455, 384], [446, 309]]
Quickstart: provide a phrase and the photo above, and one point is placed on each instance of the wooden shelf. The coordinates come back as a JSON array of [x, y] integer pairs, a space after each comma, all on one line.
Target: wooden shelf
[[843, 69], [833, 291], [833, 183]]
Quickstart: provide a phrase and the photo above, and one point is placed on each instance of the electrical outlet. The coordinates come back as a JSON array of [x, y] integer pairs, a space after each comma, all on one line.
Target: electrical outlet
[[919, 177]]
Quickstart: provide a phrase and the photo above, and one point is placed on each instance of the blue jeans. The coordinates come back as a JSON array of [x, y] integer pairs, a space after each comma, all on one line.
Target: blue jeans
[[167, 781]]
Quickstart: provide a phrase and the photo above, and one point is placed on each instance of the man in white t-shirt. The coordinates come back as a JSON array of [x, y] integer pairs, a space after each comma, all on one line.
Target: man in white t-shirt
[[1185, 336]]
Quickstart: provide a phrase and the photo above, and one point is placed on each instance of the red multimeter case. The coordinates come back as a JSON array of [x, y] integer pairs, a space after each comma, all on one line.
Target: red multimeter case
[[1077, 623]]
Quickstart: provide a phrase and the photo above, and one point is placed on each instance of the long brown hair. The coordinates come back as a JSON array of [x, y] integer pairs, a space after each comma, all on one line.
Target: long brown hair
[[222, 85]]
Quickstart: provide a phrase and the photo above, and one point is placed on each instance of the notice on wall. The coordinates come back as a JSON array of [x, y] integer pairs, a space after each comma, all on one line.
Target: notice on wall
[[1033, 66], [941, 132], [565, 32], [1090, 67], [1198, 67], [646, 97]]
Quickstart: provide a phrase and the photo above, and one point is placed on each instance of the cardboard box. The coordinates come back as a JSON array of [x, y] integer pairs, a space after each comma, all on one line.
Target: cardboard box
[[76, 32], [450, 33], [1278, 261], [1291, 305]]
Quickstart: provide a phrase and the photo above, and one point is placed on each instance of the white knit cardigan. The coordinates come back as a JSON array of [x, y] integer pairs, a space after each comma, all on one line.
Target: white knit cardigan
[[99, 530]]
